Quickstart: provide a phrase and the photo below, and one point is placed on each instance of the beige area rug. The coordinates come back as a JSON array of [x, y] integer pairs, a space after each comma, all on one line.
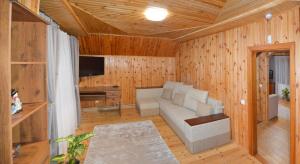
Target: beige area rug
[[128, 143]]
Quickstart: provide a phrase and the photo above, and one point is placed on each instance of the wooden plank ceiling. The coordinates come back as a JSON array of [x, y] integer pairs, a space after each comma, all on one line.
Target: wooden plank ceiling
[[125, 17]]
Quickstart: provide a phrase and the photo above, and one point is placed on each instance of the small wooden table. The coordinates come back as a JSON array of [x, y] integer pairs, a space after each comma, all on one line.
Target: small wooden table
[[206, 119], [111, 95]]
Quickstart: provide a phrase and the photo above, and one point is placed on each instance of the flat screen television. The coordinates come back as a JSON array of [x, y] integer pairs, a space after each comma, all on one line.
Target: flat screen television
[[91, 66]]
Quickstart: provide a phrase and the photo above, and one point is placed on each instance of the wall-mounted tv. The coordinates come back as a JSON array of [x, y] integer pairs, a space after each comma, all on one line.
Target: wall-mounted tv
[[91, 66]]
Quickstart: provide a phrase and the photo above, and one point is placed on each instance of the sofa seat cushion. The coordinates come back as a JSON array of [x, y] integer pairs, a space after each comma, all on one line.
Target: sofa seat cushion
[[176, 114], [147, 103], [148, 106]]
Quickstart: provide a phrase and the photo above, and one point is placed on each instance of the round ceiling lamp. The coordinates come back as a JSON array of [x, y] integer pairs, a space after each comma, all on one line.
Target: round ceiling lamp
[[268, 16], [156, 13]]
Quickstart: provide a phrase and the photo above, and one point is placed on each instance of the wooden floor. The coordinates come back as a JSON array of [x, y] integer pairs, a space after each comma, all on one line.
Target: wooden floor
[[273, 140], [284, 103], [228, 154]]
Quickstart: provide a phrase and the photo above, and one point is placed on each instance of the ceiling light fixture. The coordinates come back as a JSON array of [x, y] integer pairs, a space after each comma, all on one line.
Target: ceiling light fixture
[[156, 13], [268, 16]]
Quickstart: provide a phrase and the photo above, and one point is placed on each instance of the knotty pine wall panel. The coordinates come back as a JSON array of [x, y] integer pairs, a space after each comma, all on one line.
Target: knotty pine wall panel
[[126, 45], [218, 63], [130, 72], [130, 62]]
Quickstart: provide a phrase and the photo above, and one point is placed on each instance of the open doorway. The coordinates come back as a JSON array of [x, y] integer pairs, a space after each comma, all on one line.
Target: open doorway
[[273, 109], [263, 95]]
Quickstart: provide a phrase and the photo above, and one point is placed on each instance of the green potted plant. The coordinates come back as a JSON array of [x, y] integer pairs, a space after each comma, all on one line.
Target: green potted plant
[[286, 94], [76, 148]]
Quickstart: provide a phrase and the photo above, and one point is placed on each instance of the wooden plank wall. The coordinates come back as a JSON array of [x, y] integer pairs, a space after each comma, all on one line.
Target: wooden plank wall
[[130, 72], [130, 62], [126, 45], [218, 63]]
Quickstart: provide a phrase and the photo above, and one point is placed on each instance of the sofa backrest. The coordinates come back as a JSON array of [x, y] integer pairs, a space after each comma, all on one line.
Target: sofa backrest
[[182, 88], [193, 96], [172, 84], [148, 93], [217, 105]]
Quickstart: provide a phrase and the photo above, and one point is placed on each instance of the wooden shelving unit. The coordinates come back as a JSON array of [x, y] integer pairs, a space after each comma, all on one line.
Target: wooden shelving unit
[[28, 62], [22, 14], [25, 70], [28, 110], [33, 153]]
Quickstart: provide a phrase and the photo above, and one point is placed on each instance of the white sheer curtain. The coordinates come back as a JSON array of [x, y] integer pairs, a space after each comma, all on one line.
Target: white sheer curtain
[[75, 64], [282, 68], [281, 73], [65, 98], [52, 37], [62, 108]]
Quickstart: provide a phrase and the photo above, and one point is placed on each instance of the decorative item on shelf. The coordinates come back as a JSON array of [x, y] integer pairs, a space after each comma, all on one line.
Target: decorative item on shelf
[[75, 149], [16, 105], [286, 94], [16, 150]]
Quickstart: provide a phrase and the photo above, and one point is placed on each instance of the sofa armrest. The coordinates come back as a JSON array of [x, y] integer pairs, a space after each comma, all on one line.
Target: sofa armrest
[[148, 93], [273, 106], [205, 119], [207, 130]]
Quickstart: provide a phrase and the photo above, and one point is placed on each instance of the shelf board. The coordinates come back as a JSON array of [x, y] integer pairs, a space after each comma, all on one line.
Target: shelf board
[[28, 63], [28, 110], [21, 13], [32, 153]]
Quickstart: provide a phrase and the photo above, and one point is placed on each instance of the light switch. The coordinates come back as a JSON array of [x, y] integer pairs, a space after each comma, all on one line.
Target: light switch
[[269, 39], [243, 101]]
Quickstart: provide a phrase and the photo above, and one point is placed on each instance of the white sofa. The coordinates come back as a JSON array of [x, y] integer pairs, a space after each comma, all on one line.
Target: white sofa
[[196, 138], [273, 106]]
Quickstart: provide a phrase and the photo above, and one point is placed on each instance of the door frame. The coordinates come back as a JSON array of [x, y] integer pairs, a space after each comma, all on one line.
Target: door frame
[[251, 86]]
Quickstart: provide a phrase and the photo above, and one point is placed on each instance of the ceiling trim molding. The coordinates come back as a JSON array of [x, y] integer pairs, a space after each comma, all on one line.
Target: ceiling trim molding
[[182, 29], [130, 35], [69, 8], [237, 20]]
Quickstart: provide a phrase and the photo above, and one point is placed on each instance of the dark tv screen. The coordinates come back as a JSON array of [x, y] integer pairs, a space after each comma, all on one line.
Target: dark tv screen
[[91, 66]]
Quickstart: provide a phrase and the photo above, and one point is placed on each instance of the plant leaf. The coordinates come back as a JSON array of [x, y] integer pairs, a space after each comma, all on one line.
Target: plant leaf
[[62, 139], [58, 158], [84, 137], [70, 138]]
